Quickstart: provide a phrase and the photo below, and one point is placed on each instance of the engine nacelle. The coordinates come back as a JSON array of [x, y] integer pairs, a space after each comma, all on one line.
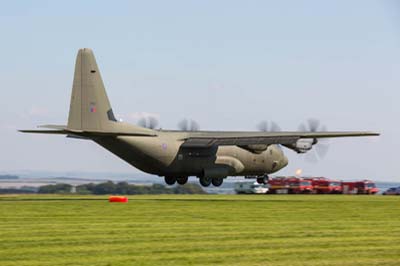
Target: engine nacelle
[[255, 148], [304, 145]]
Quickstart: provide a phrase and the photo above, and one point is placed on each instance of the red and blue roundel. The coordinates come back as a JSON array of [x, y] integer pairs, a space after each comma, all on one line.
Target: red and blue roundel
[[92, 108]]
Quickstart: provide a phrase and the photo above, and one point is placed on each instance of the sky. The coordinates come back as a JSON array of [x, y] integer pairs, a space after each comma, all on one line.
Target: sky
[[226, 64]]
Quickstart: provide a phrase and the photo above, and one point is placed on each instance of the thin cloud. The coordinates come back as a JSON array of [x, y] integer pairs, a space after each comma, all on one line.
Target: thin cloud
[[136, 116], [37, 111]]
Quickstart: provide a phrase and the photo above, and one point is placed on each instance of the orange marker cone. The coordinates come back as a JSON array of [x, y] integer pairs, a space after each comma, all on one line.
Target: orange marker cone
[[121, 199]]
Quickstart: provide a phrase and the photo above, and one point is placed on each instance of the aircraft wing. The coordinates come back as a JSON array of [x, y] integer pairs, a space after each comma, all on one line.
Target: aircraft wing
[[208, 139]]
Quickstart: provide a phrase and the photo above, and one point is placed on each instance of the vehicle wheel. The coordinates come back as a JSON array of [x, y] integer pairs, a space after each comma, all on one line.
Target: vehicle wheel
[[182, 180], [217, 181], [170, 180], [205, 181]]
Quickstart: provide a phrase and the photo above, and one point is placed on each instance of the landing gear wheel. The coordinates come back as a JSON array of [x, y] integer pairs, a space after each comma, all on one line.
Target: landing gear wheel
[[217, 181], [260, 180], [170, 180], [182, 180], [263, 180], [205, 181]]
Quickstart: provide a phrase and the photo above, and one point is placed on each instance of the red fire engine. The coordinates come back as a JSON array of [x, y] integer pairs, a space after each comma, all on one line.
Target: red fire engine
[[289, 185], [322, 185], [359, 187]]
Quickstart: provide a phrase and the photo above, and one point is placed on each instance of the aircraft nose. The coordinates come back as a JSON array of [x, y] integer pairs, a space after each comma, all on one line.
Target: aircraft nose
[[284, 161]]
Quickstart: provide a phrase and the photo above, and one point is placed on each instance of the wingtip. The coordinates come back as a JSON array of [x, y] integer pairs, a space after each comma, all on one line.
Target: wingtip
[[24, 130], [85, 51]]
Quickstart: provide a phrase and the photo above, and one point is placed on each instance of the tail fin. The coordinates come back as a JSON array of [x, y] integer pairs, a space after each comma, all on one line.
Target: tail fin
[[90, 108], [90, 112]]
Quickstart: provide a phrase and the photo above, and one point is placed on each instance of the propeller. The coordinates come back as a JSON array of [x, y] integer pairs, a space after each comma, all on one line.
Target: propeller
[[264, 126], [321, 145], [188, 125], [148, 122]]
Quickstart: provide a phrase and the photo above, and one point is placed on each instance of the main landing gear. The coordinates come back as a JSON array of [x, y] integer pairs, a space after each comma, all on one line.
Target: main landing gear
[[171, 180], [207, 181], [204, 181], [217, 181], [182, 180]]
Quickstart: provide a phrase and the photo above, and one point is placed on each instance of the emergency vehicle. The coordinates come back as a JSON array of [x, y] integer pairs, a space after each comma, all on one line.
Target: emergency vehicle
[[359, 187], [250, 188], [289, 185], [322, 185]]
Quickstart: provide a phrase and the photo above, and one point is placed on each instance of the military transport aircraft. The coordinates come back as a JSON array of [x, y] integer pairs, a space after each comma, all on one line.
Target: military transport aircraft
[[175, 155]]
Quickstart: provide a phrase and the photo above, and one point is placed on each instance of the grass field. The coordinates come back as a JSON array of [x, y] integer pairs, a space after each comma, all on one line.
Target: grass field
[[200, 230]]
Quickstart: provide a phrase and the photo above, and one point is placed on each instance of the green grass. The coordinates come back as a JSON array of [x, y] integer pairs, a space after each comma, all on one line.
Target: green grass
[[200, 230]]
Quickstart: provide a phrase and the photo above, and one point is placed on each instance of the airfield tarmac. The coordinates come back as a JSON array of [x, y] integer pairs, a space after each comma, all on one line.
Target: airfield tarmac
[[200, 230]]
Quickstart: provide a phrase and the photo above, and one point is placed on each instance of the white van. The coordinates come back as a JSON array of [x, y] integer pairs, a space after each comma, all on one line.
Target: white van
[[250, 188]]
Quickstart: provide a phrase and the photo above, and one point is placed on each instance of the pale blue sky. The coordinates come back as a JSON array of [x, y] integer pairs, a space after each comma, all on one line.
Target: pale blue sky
[[226, 64]]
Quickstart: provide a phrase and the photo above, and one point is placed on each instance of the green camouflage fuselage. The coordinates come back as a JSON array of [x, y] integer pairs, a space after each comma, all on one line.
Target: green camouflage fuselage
[[163, 155]]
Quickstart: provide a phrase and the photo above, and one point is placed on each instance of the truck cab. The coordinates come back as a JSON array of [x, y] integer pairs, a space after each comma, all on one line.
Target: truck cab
[[359, 187], [322, 185]]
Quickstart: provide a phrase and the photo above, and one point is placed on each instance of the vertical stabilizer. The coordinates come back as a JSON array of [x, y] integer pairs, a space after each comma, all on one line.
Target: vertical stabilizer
[[90, 108]]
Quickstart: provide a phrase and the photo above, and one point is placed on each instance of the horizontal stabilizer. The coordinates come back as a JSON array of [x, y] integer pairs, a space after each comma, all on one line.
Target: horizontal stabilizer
[[61, 132], [58, 127]]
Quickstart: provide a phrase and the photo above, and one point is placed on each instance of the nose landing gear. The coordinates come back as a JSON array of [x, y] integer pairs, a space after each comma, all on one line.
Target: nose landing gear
[[263, 179]]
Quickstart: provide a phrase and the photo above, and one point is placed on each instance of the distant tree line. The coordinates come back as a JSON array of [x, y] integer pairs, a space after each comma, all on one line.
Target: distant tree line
[[15, 191], [9, 177], [57, 188], [121, 188]]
